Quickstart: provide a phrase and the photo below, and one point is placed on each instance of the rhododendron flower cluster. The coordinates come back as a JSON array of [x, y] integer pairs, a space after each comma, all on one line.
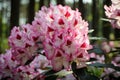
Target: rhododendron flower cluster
[[22, 62], [64, 39], [113, 12], [64, 35], [23, 42], [7, 64], [13, 70]]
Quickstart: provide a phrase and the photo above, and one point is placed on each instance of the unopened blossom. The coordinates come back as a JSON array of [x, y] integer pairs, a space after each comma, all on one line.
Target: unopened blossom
[[113, 13], [64, 35]]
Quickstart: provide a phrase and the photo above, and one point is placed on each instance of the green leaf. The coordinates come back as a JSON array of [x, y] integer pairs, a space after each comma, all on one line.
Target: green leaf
[[79, 73], [96, 50], [50, 72], [95, 71], [91, 30], [92, 59], [97, 38], [52, 77], [91, 77], [63, 73], [104, 19], [82, 74], [101, 65]]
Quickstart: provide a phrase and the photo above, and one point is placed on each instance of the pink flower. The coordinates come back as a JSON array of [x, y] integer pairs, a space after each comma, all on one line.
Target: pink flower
[[93, 55], [110, 71], [116, 60], [40, 62], [105, 47], [33, 70], [24, 72], [7, 64], [23, 42], [11, 68], [115, 1], [64, 35], [113, 12]]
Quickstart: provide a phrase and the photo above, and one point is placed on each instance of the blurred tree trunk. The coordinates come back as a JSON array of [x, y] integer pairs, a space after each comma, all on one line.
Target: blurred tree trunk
[[31, 10], [81, 8], [95, 17], [15, 10], [1, 19], [62, 2], [74, 5], [41, 3], [49, 2], [1, 2], [106, 25], [7, 11], [0, 25]]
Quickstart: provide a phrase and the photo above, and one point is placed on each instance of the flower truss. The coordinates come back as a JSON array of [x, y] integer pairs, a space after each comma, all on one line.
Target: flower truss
[[113, 12], [59, 31], [64, 35], [11, 69]]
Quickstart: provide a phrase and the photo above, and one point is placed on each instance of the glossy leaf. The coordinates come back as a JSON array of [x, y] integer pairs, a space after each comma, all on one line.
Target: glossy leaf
[[101, 65], [82, 74]]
